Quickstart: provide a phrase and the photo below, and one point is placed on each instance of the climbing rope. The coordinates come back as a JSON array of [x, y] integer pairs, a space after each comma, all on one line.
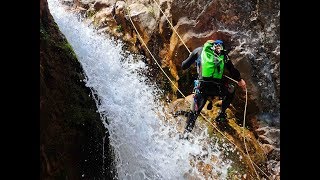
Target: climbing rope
[[252, 163], [244, 137]]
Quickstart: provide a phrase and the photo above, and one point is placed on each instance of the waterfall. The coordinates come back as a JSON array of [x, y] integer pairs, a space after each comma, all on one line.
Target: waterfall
[[145, 145]]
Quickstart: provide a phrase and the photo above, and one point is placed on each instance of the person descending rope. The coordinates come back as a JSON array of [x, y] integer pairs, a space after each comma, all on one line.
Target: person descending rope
[[211, 60]]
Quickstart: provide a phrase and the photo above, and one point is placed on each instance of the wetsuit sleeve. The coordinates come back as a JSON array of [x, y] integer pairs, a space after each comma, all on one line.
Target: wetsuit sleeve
[[191, 59], [235, 74]]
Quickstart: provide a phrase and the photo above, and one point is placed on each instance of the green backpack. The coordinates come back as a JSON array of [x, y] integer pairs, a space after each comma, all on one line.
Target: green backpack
[[212, 64]]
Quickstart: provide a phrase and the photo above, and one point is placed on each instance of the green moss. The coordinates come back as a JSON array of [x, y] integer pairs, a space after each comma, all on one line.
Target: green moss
[[78, 115], [119, 28], [67, 48], [151, 11], [80, 108], [234, 172], [95, 23], [49, 40], [43, 33], [90, 13]]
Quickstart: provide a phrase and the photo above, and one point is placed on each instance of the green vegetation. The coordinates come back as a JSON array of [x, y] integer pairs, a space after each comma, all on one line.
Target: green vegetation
[[43, 33], [68, 49], [46, 37], [90, 13], [151, 11], [119, 28]]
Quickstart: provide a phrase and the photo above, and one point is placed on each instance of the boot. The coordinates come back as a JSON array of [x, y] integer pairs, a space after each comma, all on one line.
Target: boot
[[190, 121]]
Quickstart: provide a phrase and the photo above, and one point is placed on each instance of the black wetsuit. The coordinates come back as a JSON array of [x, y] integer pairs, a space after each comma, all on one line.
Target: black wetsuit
[[209, 87]]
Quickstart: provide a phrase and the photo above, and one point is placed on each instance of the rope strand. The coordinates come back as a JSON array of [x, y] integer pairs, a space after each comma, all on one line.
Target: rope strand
[[244, 137]]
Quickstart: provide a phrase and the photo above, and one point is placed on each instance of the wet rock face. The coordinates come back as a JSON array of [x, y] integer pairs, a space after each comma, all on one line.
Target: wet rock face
[[71, 132], [250, 30]]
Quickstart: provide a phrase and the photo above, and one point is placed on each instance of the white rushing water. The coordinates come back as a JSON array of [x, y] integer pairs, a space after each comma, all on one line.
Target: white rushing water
[[145, 146]]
